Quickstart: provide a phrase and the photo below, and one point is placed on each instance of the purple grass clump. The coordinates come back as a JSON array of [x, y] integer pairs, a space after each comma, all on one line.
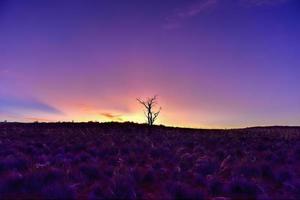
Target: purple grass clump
[[3, 166], [200, 180], [57, 191], [267, 172], [78, 148], [206, 167], [124, 188], [216, 188], [137, 175], [297, 191], [37, 180], [149, 177], [220, 154], [249, 171], [34, 183], [84, 157], [155, 153], [14, 163], [29, 150], [11, 185], [242, 189], [283, 176], [91, 172], [297, 153], [108, 171], [100, 192], [93, 151], [186, 161], [180, 191]]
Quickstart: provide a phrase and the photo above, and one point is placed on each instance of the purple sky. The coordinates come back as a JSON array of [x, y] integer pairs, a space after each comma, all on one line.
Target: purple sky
[[213, 63]]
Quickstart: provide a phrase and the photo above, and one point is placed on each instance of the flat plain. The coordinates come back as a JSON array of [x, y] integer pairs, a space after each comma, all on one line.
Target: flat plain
[[134, 161]]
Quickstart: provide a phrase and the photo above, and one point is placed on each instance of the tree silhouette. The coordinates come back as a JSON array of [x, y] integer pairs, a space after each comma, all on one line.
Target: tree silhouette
[[149, 105]]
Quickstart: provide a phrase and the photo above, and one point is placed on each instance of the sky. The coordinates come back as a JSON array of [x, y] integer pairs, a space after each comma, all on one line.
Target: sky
[[212, 63]]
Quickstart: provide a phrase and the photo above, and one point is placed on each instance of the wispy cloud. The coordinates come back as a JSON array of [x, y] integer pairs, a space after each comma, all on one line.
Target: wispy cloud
[[181, 15], [38, 119], [112, 116], [176, 19], [262, 2], [16, 104]]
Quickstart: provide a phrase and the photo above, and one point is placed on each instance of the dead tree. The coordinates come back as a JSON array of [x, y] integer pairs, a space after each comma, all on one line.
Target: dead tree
[[149, 105]]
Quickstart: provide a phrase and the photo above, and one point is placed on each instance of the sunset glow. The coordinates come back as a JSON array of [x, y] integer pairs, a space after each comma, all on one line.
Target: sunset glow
[[212, 63]]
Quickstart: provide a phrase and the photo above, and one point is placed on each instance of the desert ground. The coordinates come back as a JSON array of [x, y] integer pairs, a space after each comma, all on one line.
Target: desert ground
[[134, 161]]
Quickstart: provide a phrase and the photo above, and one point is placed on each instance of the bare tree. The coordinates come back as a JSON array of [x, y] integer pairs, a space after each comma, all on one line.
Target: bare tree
[[149, 105]]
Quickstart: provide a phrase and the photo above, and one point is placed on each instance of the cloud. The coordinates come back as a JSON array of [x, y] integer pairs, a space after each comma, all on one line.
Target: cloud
[[180, 15], [37, 119], [262, 2], [112, 116], [197, 8], [8, 104]]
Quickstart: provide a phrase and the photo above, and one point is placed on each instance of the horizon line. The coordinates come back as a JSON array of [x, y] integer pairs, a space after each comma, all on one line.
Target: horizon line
[[167, 126]]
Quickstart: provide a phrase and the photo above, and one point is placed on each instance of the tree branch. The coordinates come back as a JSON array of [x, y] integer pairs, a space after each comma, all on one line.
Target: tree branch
[[149, 104]]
